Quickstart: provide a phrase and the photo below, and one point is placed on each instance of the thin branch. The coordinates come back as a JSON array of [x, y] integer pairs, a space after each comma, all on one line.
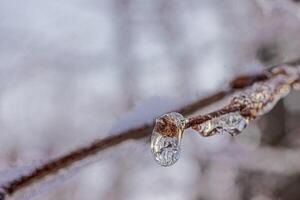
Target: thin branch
[[53, 166], [250, 103], [67, 160], [256, 100]]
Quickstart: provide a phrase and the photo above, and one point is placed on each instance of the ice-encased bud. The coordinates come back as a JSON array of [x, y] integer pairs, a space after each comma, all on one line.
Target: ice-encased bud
[[166, 138]]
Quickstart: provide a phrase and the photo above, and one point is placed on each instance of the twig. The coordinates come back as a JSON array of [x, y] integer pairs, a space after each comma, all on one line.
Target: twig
[[250, 103], [67, 160], [257, 99], [53, 166], [247, 105]]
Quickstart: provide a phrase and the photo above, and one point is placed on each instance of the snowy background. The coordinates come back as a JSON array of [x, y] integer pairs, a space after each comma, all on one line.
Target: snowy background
[[71, 70]]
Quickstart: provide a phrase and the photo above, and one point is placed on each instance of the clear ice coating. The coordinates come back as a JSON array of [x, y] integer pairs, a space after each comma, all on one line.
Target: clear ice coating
[[166, 150], [263, 96], [231, 123], [166, 138]]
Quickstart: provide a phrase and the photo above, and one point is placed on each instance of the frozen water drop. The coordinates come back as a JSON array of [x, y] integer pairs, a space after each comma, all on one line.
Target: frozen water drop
[[166, 138], [166, 150]]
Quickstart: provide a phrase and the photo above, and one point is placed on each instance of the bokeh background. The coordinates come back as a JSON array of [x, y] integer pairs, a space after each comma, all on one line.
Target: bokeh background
[[71, 70]]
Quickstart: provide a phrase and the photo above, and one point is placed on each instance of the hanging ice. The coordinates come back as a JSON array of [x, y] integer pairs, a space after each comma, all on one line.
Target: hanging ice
[[166, 138], [231, 123]]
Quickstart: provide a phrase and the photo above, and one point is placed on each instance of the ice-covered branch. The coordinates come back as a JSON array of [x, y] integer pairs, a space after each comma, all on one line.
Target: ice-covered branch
[[233, 118], [54, 166]]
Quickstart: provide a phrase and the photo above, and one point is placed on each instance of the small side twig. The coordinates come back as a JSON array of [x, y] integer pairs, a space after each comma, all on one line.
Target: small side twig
[[67, 160]]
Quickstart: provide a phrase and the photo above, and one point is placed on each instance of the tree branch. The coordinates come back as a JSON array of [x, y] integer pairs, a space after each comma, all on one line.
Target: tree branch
[[53, 166]]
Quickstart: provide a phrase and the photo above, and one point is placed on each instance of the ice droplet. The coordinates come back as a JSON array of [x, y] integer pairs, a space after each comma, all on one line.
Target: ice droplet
[[231, 123], [166, 138], [166, 150]]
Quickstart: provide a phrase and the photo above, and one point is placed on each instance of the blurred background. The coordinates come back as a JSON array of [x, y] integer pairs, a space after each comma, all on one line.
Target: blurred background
[[70, 70]]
